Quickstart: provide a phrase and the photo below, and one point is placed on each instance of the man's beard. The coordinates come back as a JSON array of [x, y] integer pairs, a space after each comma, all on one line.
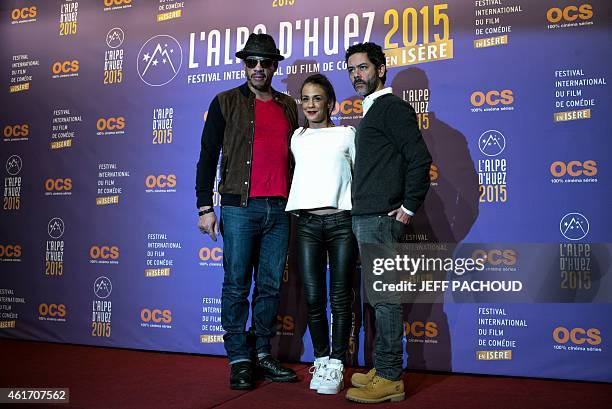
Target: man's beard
[[265, 86], [370, 86]]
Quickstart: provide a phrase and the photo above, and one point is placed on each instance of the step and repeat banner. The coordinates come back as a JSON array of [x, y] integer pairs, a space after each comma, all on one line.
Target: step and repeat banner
[[103, 104]]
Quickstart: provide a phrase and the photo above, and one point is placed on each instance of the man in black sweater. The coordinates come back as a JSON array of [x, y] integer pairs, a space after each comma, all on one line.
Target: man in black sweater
[[391, 179]]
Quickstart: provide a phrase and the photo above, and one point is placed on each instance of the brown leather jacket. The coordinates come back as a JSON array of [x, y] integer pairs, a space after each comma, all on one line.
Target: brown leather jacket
[[230, 128]]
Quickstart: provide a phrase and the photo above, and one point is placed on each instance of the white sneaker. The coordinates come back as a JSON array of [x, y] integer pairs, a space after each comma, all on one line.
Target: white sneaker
[[318, 371], [334, 378]]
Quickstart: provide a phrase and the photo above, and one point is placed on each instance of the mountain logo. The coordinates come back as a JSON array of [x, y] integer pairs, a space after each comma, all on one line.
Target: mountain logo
[[13, 165], [574, 226], [114, 38], [55, 228], [491, 143], [159, 60], [102, 287]]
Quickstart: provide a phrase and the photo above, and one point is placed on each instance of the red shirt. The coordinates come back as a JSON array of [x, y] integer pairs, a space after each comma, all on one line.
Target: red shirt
[[270, 167]]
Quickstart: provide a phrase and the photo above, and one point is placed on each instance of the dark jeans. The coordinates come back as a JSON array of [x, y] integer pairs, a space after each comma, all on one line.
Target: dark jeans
[[384, 232], [317, 237], [254, 237]]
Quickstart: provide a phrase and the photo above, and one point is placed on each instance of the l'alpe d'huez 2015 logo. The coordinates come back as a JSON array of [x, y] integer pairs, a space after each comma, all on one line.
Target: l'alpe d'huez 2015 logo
[[159, 60]]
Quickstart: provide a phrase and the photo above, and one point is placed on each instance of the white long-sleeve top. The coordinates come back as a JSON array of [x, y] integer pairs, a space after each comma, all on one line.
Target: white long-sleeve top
[[324, 160]]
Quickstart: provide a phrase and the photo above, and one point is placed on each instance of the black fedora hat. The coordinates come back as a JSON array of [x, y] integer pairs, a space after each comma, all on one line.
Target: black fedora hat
[[261, 45]]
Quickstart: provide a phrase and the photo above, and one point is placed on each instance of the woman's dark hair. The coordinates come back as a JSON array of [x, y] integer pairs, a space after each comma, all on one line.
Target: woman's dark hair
[[322, 81]]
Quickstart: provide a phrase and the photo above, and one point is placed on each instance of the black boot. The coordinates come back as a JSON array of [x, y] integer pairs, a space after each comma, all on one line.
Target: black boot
[[272, 370], [241, 376]]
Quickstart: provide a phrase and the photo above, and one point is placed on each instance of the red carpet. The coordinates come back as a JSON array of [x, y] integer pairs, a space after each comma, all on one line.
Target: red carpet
[[116, 379]]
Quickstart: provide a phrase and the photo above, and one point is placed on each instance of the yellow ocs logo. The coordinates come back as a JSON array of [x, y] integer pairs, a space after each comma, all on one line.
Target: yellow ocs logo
[[569, 13], [65, 67], [285, 323], [573, 168], [492, 98], [24, 13], [58, 185], [160, 181], [10, 250], [19, 130], [110, 124], [214, 254], [52, 310], [434, 173], [578, 336], [496, 257], [348, 107], [104, 252], [109, 3], [419, 329], [156, 315]]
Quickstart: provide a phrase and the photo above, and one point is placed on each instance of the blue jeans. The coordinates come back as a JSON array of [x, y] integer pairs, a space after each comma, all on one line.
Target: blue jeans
[[255, 240], [383, 232]]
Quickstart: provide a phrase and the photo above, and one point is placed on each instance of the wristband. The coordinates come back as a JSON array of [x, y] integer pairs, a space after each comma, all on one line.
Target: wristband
[[203, 212]]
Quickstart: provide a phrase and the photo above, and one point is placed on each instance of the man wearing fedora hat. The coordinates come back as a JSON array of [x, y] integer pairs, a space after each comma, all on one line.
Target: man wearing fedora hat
[[250, 125]]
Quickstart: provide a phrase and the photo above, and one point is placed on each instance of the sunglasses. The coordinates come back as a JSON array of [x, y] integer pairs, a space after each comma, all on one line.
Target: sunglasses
[[252, 63]]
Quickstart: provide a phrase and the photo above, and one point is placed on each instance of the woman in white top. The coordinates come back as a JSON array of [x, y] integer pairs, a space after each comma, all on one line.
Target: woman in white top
[[321, 198]]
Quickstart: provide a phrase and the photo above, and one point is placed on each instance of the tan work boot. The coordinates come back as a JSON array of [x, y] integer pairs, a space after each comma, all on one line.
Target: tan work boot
[[378, 390], [359, 380]]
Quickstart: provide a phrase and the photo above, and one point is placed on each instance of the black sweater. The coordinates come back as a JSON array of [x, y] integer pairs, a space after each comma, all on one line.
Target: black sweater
[[392, 161]]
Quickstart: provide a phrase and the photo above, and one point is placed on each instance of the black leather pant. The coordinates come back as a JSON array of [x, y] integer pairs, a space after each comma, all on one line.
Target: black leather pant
[[320, 237]]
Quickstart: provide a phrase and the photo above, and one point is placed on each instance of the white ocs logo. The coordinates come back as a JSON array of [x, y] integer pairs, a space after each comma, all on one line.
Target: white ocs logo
[[55, 228], [574, 226], [491, 143], [159, 60]]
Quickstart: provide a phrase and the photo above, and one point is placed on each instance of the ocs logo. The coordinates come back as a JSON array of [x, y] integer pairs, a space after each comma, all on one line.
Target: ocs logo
[[433, 173], [569, 13], [285, 323], [21, 130], [10, 250], [208, 254], [52, 310], [496, 257], [160, 181], [157, 316], [24, 13], [55, 228], [419, 329], [491, 143], [65, 67], [573, 168], [110, 124], [574, 226], [14, 165], [578, 336], [58, 185], [102, 287], [104, 252], [159, 60], [109, 3], [348, 107], [492, 98]]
